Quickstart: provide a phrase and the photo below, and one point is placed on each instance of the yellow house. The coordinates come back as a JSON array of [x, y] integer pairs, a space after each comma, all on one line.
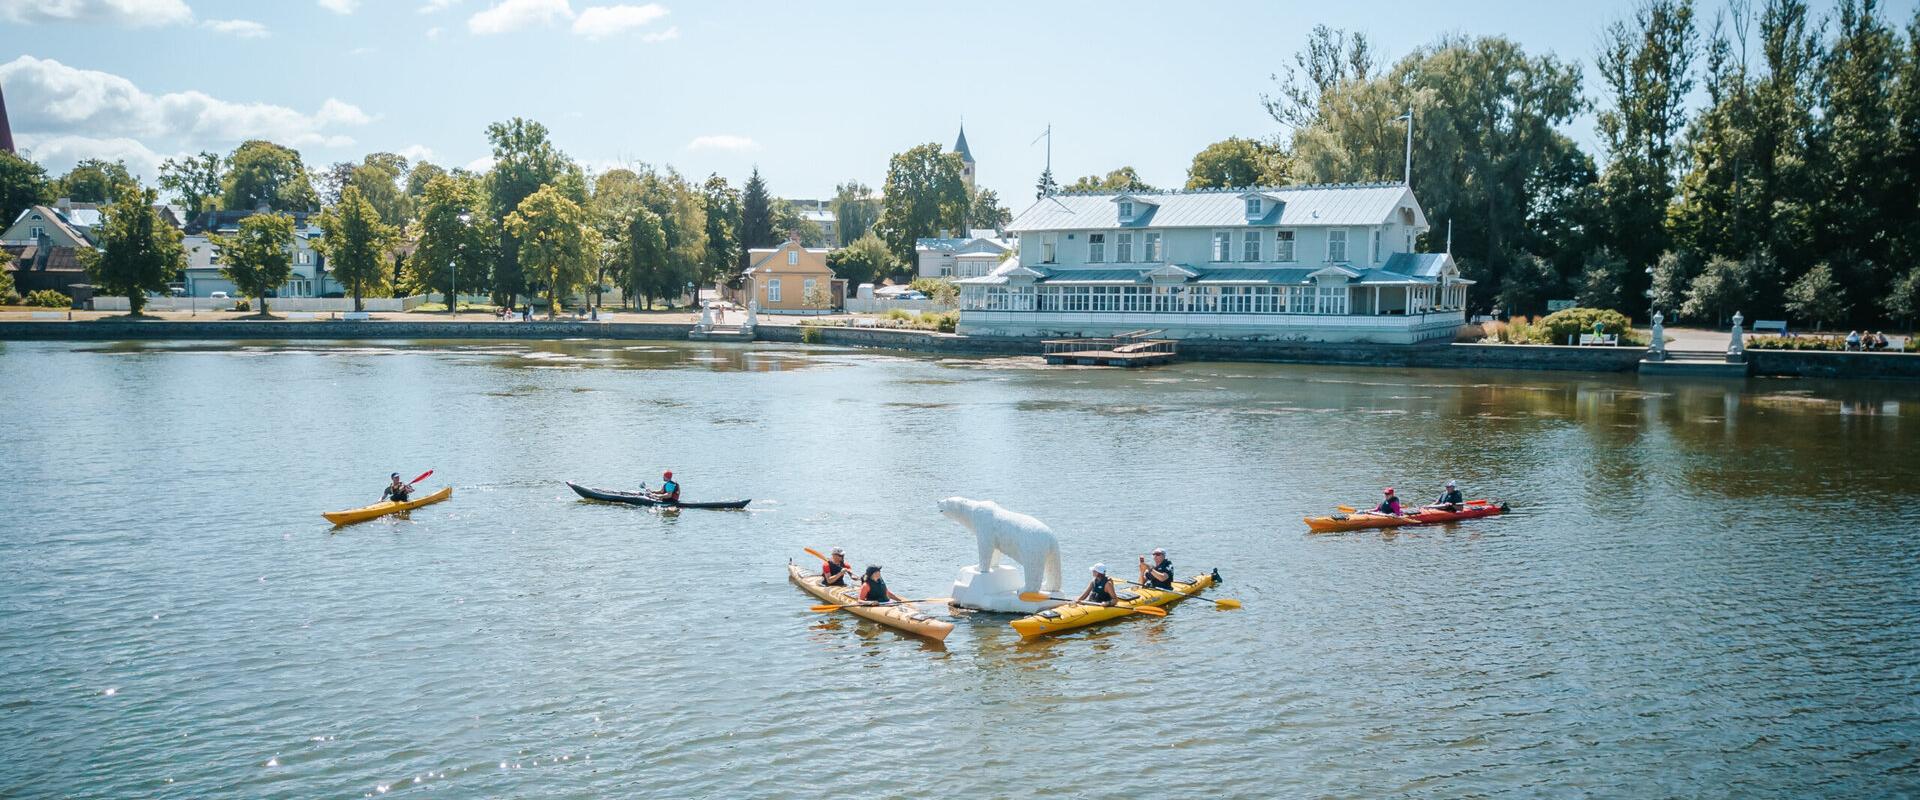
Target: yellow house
[[791, 279]]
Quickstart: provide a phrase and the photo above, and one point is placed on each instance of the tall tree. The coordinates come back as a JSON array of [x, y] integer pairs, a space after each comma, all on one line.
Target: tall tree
[[456, 238], [645, 258], [924, 193], [137, 252], [379, 177], [1234, 162], [681, 208], [1860, 187], [788, 221], [258, 256], [356, 243], [420, 177], [1124, 179], [985, 211], [854, 211], [22, 184], [723, 232], [263, 174], [557, 245], [865, 261], [1046, 186], [1331, 59], [756, 217], [1646, 65], [524, 162], [95, 180], [194, 180]]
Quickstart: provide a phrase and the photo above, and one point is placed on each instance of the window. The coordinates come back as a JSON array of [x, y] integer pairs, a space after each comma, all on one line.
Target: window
[[1250, 246], [1333, 300], [1049, 243], [1376, 245], [806, 289], [1123, 247], [1096, 248], [793, 257], [1336, 246], [1150, 249], [306, 257], [1222, 246], [1283, 246], [773, 290], [1254, 208], [36, 232], [1126, 209]]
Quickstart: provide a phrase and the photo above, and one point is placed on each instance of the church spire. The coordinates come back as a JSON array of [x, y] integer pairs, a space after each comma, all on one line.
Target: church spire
[[960, 145], [6, 133]]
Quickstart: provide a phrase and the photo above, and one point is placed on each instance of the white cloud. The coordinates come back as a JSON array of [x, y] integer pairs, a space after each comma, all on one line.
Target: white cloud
[[243, 28], [52, 99], [723, 141], [417, 153], [481, 164], [599, 22], [662, 36], [59, 153], [434, 32], [340, 6], [509, 16], [131, 13], [435, 6]]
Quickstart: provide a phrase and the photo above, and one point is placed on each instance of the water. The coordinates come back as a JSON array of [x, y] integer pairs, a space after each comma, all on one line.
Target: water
[[1701, 592]]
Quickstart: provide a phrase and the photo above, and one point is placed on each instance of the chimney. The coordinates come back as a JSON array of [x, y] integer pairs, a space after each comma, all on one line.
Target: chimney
[[65, 204]]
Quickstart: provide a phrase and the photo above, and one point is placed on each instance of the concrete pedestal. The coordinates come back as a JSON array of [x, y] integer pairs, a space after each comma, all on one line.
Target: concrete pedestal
[[998, 590]]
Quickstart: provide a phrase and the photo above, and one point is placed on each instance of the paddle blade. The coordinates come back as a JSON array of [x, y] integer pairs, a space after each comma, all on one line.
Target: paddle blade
[[825, 608], [1345, 509], [1150, 611], [815, 554], [423, 476], [1224, 604], [1036, 597]]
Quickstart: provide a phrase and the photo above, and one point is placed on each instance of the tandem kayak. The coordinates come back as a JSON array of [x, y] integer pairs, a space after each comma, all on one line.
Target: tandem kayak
[[639, 499], [903, 617], [1368, 519], [1075, 615], [384, 508]]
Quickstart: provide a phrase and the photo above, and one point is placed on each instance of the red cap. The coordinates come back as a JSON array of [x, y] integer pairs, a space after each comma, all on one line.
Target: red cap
[[1389, 490], [669, 474]]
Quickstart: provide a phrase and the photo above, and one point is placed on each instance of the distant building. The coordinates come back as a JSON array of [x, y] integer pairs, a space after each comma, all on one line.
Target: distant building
[[966, 158], [820, 213], [52, 225], [6, 131], [790, 279], [970, 256], [1300, 263], [203, 278]]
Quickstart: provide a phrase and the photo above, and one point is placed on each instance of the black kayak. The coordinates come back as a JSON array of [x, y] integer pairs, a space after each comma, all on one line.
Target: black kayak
[[646, 500]]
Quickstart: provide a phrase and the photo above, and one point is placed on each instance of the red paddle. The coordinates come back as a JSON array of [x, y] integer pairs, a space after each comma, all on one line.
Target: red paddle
[[423, 476]]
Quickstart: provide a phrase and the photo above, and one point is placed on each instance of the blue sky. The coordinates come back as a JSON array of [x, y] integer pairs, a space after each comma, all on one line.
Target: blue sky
[[813, 93]]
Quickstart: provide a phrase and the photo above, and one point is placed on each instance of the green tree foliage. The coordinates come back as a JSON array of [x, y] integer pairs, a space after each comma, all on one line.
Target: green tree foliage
[[867, 260], [1331, 60], [756, 217], [987, 212], [1046, 185], [9, 294], [855, 209], [22, 184], [356, 243], [558, 248], [195, 181], [380, 178], [1234, 162], [789, 221], [420, 177], [137, 252], [96, 181], [1902, 301], [264, 174], [645, 258], [1671, 276], [457, 240], [1717, 291], [723, 233], [1860, 182], [681, 208], [924, 194], [1124, 179], [1816, 297], [525, 161], [1646, 67], [258, 257]]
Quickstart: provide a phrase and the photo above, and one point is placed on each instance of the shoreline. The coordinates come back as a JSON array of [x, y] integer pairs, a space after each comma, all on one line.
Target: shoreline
[[1441, 355]]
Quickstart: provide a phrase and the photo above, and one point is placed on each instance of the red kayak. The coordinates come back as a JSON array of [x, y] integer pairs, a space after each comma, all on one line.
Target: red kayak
[[1367, 519]]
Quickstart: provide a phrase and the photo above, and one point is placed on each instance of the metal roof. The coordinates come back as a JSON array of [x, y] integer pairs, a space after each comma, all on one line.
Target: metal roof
[[1287, 275], [1425, 265], [1300, 206]]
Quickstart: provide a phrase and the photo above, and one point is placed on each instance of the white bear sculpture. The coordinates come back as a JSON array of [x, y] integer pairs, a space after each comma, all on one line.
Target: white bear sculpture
[[989, 586]]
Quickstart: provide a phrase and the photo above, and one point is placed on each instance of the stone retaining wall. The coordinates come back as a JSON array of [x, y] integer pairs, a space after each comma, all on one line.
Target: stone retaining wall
[[1818, 364], [385, 329]]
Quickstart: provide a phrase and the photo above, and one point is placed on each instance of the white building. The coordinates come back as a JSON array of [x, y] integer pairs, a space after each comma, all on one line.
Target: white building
[[1302, 263], [309, 278], [971, 256]]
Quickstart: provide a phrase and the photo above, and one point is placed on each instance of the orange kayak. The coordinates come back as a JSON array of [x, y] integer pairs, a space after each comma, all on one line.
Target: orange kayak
[[1367, 519]]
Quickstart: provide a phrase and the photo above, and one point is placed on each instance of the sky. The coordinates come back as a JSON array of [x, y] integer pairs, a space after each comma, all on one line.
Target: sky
[[814, 94]]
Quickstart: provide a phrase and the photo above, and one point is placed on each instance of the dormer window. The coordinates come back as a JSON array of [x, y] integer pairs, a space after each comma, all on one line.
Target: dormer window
[[1126, 209], [1255, 208]]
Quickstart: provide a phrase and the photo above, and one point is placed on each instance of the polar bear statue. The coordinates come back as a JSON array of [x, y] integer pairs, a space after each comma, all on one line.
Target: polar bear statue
[[1028, 541]]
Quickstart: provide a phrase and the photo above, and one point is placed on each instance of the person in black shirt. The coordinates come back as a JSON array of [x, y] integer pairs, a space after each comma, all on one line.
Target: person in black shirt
[[1450, 500], [873, 589], [396, 491], [1160, 574], [834, 572], [1099, 591]]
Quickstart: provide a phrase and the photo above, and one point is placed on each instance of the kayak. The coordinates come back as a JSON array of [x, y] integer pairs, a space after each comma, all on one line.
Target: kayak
[[639, 499], [384, 508], [1074, 615], [1367, 519], [903, 617]]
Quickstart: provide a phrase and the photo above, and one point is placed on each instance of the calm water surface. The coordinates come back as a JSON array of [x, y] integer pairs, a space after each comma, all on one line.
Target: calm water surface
[[1703, 591]]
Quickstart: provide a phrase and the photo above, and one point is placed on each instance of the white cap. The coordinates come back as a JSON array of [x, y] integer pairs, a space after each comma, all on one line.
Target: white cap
[[1100, 568], [838, 552], [1159, 551], [1449, 484]]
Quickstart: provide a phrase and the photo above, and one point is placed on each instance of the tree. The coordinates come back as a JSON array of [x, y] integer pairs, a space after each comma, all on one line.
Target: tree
[[1816, 297], [987, 212], [789, 222], [1647, 68], [646, 257], [1671, 275], [261, 174], [1860, 185], [456, 237], [22, 184], [681, 208], [865, 261], [854, 211], [1331, 59], [1235, 162], [723, 232], [1902, 301], [924, 193], [136, 251], [557, 247], [1124, 179], [1046, 186], [194, 180], [95, 181], [379, 177], [756, 217], [1715, 292], [356, 243], [9, 294], [258, 256], [420, 177], [524, 161]]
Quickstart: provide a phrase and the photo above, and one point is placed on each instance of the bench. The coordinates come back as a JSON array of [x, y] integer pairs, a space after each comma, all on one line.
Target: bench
[[865, 322], [356, 316], [1606, 339], [301, 315], [1777, 325]]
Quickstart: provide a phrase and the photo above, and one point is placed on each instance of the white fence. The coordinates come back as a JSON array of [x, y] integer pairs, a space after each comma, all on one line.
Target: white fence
[[881, 306], [276, 304]]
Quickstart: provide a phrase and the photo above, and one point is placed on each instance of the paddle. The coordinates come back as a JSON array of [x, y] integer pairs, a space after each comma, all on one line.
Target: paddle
[[423, 476], [825, 607], [1224, 603], [1040, 597]]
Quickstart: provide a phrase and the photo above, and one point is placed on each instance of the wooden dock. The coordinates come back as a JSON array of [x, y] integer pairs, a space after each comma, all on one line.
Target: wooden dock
[[1131, 349]]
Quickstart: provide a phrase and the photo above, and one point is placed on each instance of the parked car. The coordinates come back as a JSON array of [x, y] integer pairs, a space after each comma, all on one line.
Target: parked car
[[218, 296]]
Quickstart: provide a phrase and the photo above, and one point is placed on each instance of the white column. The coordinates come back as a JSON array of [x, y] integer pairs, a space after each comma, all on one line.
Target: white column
[[1376, 301]]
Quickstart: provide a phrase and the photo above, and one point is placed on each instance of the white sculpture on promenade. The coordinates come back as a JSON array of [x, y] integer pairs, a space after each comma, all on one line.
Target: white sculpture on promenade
[[706, 319], [991, 586], [753, 315], [1736, 348]]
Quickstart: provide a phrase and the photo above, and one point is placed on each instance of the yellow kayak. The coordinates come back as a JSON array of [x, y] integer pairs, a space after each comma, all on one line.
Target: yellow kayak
[[906, 617], [1070, 616], [384, 508]]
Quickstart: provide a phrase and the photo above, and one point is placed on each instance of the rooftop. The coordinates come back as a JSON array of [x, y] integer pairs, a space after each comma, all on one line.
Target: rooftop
[[1305, 204]]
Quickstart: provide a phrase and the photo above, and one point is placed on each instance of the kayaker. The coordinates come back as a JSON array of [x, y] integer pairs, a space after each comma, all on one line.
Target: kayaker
[[1099, 591], [396, 491], [1160, 574], [834, 571], [873, 588], [669, 489], [1391, 505], [1450, 500]]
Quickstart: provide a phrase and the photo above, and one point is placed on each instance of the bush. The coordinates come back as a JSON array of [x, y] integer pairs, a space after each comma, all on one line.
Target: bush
[[900, 314], [49, 298], [1568, 324], [1796, 343], [942, 321], [1912, 345], [810, 334]]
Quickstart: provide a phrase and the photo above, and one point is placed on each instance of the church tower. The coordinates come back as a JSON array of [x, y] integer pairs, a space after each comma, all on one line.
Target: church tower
[[966, 157], [6, 133]]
